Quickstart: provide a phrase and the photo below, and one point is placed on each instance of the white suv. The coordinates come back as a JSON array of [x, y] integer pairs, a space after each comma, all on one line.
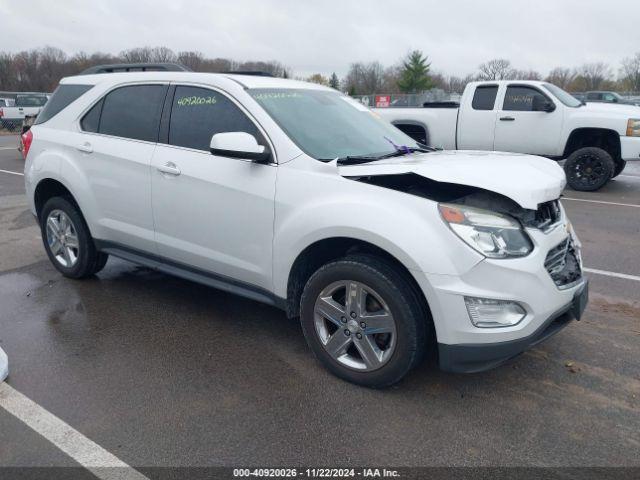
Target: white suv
[[292, 194]]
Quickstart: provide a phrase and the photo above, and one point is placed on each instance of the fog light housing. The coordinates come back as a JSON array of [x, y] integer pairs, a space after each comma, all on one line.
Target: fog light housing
[[490, 313]]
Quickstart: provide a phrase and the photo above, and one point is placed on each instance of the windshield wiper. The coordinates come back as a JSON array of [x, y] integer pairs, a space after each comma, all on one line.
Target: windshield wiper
[[401, 151]]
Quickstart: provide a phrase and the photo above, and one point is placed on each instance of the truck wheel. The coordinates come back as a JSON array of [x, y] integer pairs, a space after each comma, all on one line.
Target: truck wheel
[[619, 167], [588, 169], [67, 240], [363, 320]]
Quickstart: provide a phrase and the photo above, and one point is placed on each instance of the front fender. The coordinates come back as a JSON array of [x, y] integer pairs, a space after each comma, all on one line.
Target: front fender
[[406, 226]]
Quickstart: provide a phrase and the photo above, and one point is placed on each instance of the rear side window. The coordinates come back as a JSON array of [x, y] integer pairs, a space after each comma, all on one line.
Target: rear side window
[[61, 99], [594, 96], [129, 112], [485, 97], [520, 98], [91, 121], [198, 113]]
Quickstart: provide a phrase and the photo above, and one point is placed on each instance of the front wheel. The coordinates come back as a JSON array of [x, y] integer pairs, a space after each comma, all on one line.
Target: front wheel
[[589, 169], [364, 321]]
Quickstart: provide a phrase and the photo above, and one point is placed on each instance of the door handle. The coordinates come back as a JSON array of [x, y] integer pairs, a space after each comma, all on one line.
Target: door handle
[[507, 119], [169, 168], [85, 147]]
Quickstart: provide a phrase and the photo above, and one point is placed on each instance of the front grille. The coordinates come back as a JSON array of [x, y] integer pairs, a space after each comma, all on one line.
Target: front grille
[[563, 265], [548, 214]]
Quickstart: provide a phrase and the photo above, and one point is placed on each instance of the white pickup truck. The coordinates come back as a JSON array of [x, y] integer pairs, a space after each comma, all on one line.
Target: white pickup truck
[[530, 117], [26, 105]]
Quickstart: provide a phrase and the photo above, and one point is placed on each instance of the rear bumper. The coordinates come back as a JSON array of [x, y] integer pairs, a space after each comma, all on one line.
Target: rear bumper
[[630, 148], [471, 358]]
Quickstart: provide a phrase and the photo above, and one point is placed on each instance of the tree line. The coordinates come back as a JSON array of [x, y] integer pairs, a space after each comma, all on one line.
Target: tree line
[[41, 69], [414, 74]]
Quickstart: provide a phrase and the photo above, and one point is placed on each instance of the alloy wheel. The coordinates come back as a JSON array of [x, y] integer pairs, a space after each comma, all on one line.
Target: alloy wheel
[[62, 238], [355, 325]]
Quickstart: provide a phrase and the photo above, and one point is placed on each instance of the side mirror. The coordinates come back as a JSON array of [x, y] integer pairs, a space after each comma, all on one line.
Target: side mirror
[[541, 104], [239, 145]]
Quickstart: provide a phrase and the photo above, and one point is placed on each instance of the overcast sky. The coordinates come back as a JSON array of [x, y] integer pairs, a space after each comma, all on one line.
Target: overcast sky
[[324, 36]]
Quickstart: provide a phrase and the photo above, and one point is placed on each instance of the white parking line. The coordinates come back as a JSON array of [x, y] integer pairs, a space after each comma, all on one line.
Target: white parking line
[[12, 173], [600, 201], [612, 274], [90, 455], [8, 148]]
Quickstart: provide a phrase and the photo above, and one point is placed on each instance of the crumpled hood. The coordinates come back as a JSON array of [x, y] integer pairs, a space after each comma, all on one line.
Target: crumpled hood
[[526, 179]]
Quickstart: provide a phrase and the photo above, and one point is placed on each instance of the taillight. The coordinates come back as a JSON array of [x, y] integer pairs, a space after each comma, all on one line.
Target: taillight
[[27, 138], [1, 113]]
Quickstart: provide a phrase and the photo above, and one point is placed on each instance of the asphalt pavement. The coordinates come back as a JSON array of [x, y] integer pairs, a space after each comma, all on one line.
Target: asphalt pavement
[[160, 371]]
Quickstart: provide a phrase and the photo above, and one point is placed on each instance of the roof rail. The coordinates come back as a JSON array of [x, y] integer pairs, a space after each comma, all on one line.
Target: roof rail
[[252, 73], [136, 67]]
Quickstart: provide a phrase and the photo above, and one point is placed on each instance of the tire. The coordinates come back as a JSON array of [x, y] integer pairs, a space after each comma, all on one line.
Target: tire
[[619, 167], [400, 341], [70, 248], [589, 169]]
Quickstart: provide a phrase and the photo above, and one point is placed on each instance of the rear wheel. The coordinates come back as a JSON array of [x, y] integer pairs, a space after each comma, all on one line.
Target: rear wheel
[[67, 240], [363, 320], [589, 169]]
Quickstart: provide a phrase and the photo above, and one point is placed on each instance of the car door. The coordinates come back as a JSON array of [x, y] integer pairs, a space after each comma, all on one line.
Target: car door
[[119, 135], [477, 119], [522, 129], [212, 213]]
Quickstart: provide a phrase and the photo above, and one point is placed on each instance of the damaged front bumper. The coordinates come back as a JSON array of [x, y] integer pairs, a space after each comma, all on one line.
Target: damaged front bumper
[[547, 286], [471, 358]]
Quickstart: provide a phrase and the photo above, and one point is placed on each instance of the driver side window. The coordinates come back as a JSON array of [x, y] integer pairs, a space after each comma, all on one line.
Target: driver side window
[[521, 98], [199, 113]]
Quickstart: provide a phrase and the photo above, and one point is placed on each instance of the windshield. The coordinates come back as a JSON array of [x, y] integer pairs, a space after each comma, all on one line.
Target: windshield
[[328, 125], [31, 100], [566, 98]]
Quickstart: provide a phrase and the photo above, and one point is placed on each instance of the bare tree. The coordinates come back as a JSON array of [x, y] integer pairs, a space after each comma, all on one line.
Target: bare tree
[[524, 75], [217, 65], [318, 78], [8, 73], [561, 76], [630, 73], [457, 84], [390, 78], [163, 54], [192, 60], [137, 55], [364, 78], [594, 75], [497, 69]]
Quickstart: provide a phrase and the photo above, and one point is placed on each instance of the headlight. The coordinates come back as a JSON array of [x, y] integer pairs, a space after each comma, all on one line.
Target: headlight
[[633, 127], [492, 234]]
